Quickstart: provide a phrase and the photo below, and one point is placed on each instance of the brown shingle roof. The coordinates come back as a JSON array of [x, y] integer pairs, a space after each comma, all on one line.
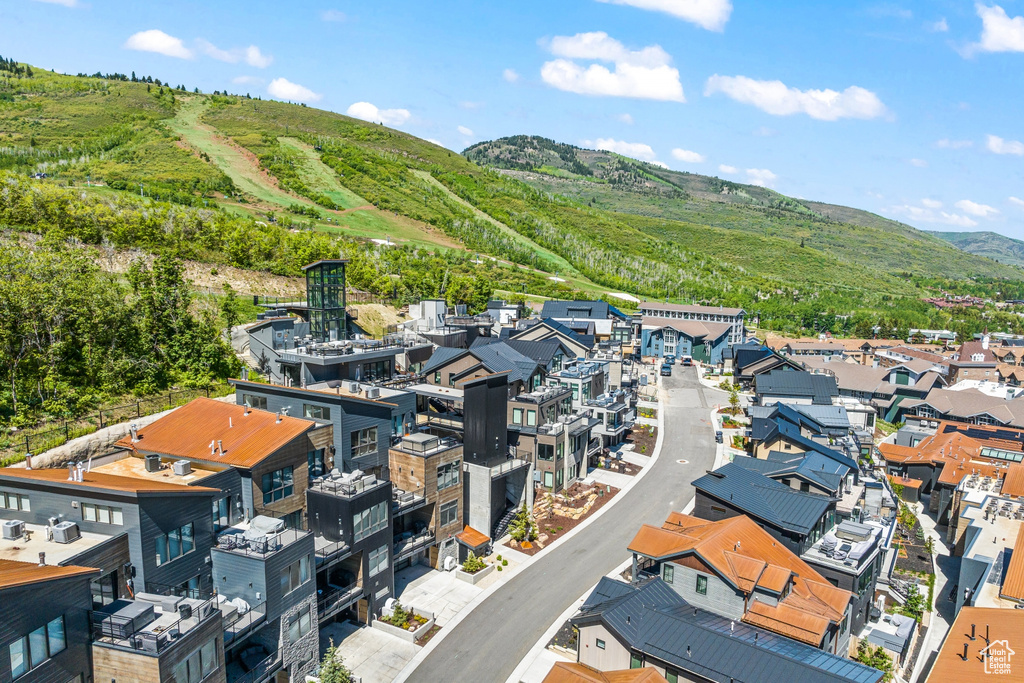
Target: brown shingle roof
[[905, 482], [188, 431], [100, 480], [1005, 626], [472, 538], [1013, 581], [14, 574], [574, 672]]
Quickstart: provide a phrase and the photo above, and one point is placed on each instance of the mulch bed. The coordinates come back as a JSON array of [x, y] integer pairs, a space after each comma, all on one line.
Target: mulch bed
[[912, 556], [429, 634], [623, 467], [643, 439], [565, 638], [549, 526]]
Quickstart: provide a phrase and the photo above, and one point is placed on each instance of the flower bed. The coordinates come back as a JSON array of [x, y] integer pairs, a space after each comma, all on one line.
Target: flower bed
[[408, 624], [473, 578]]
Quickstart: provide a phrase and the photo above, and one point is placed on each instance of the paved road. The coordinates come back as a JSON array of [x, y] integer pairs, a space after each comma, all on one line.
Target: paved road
[[491, 641]]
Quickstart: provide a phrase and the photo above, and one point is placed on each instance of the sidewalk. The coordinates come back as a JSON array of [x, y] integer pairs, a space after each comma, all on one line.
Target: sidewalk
[[947, 569]]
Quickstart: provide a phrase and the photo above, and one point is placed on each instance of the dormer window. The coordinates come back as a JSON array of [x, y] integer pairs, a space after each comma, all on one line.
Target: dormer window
[[977, 357]]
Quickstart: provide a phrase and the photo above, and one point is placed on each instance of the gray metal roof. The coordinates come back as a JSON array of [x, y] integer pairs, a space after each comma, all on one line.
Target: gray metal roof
[[766, 499], [831, 417], [813, 467], [584, 310], [442, 356], [656, 621], [797, 384]]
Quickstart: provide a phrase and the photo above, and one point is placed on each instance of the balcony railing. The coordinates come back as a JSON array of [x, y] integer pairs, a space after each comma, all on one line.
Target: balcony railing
[[408, 546], [121, 632], [331, 602], [263, 671], [237, 626], [405, 501], [507, 466]]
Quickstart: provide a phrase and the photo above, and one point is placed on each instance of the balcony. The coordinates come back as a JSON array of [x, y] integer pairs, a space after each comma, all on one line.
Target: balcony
[[237, 625], [406, 547], [146, 628], [336, 599], [508, 466], [330, 551], [407, 501], [261, 671]]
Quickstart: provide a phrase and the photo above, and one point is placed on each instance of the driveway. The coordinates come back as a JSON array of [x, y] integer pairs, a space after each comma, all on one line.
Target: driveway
[[491, 641]]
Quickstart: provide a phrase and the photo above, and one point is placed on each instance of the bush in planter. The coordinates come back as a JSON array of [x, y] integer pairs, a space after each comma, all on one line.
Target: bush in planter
[[499, 558], [473, 564], [499, 567], [504, 563]]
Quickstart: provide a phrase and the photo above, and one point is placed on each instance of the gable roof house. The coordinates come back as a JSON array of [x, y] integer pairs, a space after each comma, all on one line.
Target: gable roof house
[[735, 568], [534, 329], [622, 625], [733, 317], [973, 360], [795, 387], [597, 318], [448, 367], [703, 341]]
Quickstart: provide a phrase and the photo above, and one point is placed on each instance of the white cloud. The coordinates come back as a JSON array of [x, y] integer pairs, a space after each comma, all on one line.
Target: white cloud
[[436, 142], [251, 55], [999, 32], [465, 131], [248, 80], [728, 169], [761, 176], [65, 3], [645, 74], [1016, 201], [284, 89], [659, 164], [998, 145], [636, 150], [510, 75], [625, 118], [157, 41], [333, 15], [776, 98], [931, 203], [688, 156], [709, 14], [920, 163], [975, 209], [946, 143], [369, 112], [939, 26], [926, 214]]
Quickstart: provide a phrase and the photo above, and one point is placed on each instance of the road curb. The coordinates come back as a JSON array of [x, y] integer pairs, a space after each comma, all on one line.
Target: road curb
[[404, 674]]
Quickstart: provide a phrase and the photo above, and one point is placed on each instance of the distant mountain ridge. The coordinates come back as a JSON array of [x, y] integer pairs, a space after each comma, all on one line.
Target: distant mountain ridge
[[985, 243]]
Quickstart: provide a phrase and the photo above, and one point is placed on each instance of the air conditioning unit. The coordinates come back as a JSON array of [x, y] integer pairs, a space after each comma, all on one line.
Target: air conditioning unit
[[152, 463], [372, 392], [13, 529], [66, 532], [182, 467], [353, 387]]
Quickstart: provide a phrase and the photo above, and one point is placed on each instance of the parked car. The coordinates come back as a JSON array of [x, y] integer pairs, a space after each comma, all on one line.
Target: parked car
[[718, 437], [670, 360], [687, 361], [666, 370]]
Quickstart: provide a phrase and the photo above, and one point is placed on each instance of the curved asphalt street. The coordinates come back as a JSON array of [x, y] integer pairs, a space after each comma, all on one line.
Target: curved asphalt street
[[491, 641]]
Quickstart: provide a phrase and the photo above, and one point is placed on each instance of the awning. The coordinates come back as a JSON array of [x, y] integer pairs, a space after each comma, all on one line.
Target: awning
[[472, 539]]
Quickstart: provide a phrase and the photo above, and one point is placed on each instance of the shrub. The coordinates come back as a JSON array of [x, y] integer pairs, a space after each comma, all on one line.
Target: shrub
[[499, 567], [504, 563], [522, 527], [473, 564], [499, 558], [332, 667]]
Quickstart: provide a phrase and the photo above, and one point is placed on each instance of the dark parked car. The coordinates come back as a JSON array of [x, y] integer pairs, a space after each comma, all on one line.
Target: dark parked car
[[670, 360], [666, 370], [718, 437]]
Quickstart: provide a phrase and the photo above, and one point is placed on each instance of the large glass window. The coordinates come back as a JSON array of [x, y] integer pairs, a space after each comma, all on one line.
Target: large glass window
[[315, 412], [315, 463], [517, 416], [277, 485], [32, 650], [370, 521], [448, 475], [364, 442], [102, 514], [174, 544], [545, 451], [254, 401], [378, 560], [294, 575], [449, 513], [531, 418], [300, 624], [198, 665]]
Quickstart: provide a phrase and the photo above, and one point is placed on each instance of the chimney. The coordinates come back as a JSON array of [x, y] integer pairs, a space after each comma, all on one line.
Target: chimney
[[134, 429], [28, 461], [213, 447], [278, 417], [972, 632], [71, 471], [42, 559], [964, 655], [220, 446], [230, 424]]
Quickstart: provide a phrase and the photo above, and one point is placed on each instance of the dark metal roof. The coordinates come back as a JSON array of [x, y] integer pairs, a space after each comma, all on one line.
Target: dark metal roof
[[765, 499], [442, 356], [539, 351], [792, 433], [592, 310], [814, 467], [801, 384], [657, 622]]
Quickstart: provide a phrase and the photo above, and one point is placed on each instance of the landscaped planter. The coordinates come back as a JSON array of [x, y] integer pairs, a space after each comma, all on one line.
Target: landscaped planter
[[409, 636], [475, 577]]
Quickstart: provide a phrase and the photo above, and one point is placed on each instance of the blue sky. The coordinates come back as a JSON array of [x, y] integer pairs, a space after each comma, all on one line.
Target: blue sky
[[912, 110]]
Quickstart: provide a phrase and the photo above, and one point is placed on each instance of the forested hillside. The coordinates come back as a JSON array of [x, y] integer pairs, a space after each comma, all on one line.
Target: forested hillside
[[989, 244]]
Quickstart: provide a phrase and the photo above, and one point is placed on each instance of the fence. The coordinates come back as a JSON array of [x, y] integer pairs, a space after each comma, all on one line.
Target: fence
[[41, 440]]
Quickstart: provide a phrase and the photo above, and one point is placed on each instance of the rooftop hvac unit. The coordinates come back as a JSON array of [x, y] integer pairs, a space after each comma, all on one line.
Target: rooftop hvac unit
[[152, 463], [13, 529], [353, 387], [185, 611], [66, 532], [182, 467], [373, 392]]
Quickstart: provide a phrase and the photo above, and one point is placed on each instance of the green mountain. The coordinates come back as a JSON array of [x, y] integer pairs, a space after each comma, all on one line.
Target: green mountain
[[266, 185], [989, 244]]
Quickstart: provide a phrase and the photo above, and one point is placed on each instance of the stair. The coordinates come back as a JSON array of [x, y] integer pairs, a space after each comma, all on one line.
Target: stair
[[502, 526]]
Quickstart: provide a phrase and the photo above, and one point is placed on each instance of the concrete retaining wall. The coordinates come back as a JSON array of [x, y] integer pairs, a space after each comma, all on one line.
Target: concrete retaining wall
[[408, 636], [475, 577]]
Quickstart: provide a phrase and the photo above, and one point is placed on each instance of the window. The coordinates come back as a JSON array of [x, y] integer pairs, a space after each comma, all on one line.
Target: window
[[531, 418], [448, 475], [437, 377], [378, 560], [559, 474], [294, 575], [449, 513], [517, 416], [299, 625], [172, 545], [364, 442], [548, 480], [671, 676], [277, 485], [635, 661], [668, 573], [600, 644], [378, 370], [545, 451], [253, 401], [316, 412], [198, 665], [14, 501], [102, 514], [805, 487], [315, 463], [560, 451], [702, 585], [104, 590], [30, 651], [370, 521]]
